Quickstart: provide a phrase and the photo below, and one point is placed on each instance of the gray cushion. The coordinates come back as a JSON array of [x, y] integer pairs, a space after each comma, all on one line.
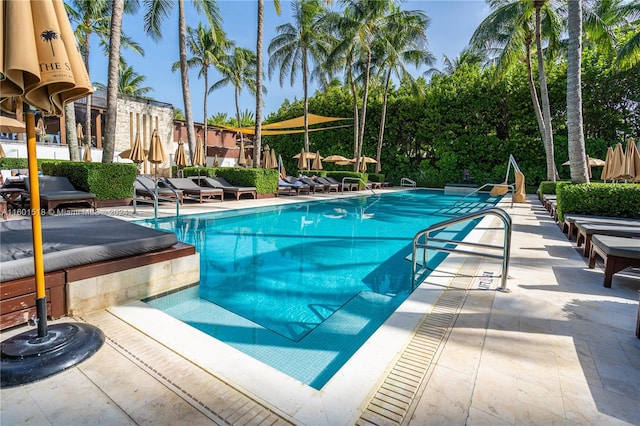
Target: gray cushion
[[74, 240], [618, 246], [620, 229]]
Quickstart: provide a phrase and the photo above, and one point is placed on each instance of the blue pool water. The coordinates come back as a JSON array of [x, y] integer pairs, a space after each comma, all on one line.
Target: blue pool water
[[301, 287]]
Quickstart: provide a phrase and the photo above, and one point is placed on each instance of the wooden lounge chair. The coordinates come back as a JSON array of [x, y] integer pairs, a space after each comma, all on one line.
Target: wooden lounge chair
[[586, 230], [146, 187], [569, 224], [618, 253], [57, 190], [227, 188], [192, 189]]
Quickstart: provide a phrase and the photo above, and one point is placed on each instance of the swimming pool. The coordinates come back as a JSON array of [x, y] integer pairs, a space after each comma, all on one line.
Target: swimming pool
[[301, 287]]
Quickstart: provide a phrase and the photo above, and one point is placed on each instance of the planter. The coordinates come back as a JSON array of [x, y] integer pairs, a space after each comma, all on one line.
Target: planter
[[115, 203], [261, 196]]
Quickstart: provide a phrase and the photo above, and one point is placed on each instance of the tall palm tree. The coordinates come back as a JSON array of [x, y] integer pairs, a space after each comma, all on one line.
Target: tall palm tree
[[257, 139], [404, 40], [511, 29], [130, 82], [577, 153], [156, 11], [450, 66], [206, 48], [299, 43], [238, 69], [117, 10]]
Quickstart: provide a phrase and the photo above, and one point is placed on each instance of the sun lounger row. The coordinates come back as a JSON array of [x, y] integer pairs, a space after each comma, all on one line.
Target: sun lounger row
[[311, 185], [615, 240], [196, 188]]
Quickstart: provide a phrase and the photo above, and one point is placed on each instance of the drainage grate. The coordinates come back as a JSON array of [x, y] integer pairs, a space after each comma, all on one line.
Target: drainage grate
[[392, 401]]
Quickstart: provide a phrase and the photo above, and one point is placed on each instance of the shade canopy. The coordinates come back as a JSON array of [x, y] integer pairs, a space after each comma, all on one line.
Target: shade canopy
[[593, 162], [180, 157], [290, 126], [335, 159], [11, 125]]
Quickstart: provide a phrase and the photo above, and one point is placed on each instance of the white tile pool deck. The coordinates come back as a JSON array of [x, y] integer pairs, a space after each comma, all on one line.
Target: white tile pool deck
[[558, 349]]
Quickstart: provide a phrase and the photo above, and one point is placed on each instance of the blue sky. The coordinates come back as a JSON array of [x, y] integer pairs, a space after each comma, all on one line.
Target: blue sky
[[452, 23]]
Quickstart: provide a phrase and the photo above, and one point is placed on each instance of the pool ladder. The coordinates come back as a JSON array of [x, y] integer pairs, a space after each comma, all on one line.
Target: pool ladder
[[355, 179], [406, 182], [155, 197], [422, 240]]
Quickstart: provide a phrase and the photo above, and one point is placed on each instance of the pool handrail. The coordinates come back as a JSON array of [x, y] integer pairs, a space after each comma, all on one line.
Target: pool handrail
[[356, 179], [154, 195], [506, 246], [407, 182]]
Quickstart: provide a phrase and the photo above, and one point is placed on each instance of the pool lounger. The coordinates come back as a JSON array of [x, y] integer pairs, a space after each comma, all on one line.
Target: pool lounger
[[227, 188], [618, 253], [619, 228], [569, 223], [57, 190], [192, 189]]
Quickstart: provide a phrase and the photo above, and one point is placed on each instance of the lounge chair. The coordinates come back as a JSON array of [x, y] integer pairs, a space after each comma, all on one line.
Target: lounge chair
[[329, 186], [569, 224], [620, 228], [227, 188], [146, 187], [618, 253], [286, 187], [313, 185], [348, 186], [192, 189], [57, 190]]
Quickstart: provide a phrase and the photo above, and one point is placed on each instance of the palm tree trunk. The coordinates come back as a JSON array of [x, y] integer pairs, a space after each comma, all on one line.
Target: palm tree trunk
[[534, 95], [305, 88], [70, 130], [258, 132], [108, 146], [577, 154], [356, 118], [184, 76], [204, 108], [236, 93], [382, 120], [364, 110], [544, 95], [87, 118]]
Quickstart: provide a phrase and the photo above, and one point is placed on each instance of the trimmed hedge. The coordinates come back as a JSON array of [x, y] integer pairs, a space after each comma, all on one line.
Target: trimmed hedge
[[18, 163], [265, 180], [599, 199], [109, 181]]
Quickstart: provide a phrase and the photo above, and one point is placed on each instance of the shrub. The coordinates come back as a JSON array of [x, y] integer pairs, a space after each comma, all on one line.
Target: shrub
[[109, 181], [265, 180], [599, 199]]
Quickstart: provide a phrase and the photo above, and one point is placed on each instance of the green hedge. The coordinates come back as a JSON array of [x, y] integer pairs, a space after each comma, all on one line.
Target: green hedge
[[599, 199], [265, 180], [376, 177], [18, 163], [113, 181]]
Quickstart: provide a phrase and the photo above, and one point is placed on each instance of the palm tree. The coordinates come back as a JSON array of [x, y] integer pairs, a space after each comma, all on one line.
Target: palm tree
[[404, 40], [257, 139], [238, 69], [157, 11], [206, 48], [450, 66], [577, 153], [511, 29], [361, 22], [299, 43], [117, 10], [130, 82]]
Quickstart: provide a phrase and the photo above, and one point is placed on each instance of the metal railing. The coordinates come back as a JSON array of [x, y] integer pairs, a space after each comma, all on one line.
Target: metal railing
[[407, 182], [154, 195], [355, 179], [422, 240]]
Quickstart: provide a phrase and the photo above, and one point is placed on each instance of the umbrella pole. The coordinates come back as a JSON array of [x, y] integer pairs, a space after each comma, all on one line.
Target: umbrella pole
[[36, 225]]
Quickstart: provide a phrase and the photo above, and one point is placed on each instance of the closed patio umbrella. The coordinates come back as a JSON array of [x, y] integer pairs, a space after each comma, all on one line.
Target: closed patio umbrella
[[249, 161], [34, 33], [198, 155], [79, 132], [2, 153], [180, 157], [156, 152], [317, 162], [41, 129], [631, 162], [302, 160], [136, 153], [242, 160], [266, 157], [216, 161], [274, 160], [283, 171], [86, 155], [607, 165], [617, 163]]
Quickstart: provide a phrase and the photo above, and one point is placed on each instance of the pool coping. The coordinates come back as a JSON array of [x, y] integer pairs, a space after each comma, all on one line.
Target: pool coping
[[347, 394]]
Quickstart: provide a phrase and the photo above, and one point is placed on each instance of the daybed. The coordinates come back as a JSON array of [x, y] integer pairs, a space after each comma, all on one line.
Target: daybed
[[227, 188], [190, 188], [618, 229], [90, 262], [57, 190], [618, 253]]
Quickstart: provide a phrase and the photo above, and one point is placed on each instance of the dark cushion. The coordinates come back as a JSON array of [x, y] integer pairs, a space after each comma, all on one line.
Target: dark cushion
[[618, 246]]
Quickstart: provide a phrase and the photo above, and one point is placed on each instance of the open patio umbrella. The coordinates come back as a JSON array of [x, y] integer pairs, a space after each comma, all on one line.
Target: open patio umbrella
[[317, 162], [607, 164], [242, 160], [34, 33], [11, 125], [336, 159], [86, 155], [617, 161]]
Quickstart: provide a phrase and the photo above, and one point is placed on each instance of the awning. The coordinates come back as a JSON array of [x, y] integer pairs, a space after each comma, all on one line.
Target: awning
[[291, 126]]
